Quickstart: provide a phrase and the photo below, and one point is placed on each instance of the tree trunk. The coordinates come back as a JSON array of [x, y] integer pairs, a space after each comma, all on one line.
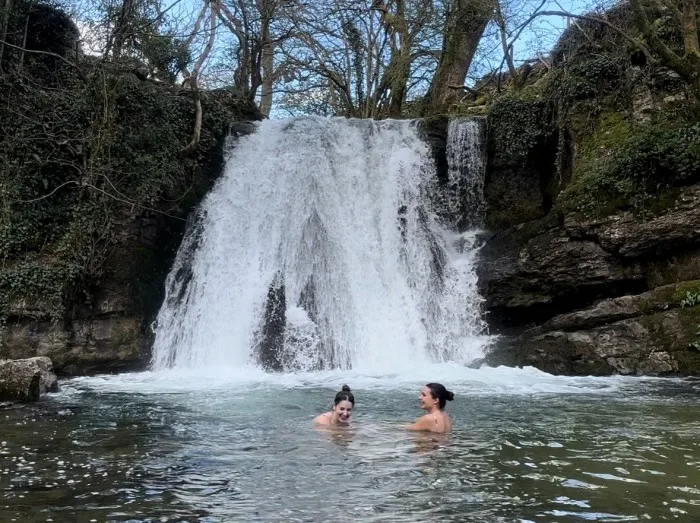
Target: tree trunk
[[507, 51], [122, 27], [268, 66], [3, 29], [24, 43], [399, 70], [464, 25], [687, 66], [194, 78], [690, 27], [400, 66]]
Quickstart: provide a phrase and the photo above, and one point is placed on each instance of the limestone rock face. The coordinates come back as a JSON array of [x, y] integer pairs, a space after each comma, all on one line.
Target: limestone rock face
[[597, 296], [106, 344], [646, 334], [568, 263], [629, 238]]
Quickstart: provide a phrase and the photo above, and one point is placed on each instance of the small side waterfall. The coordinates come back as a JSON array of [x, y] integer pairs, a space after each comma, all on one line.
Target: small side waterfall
[[318, 249], [466, 161]]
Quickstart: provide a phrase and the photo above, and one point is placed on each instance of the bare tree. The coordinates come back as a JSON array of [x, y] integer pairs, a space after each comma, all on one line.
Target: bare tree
[[643, 29], [258, 27], [213, 8], [362, 54], [465, 22]]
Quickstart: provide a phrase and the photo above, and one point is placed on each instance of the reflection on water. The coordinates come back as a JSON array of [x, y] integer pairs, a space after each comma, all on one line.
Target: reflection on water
[[252, 454], [426, 443], [341, 436]]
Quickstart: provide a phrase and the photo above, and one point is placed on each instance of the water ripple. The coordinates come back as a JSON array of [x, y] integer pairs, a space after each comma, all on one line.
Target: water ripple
[[215, 456]]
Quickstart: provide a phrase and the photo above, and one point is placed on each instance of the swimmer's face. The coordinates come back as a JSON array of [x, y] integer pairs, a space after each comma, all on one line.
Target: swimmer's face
[[425, 398], [343, 411]]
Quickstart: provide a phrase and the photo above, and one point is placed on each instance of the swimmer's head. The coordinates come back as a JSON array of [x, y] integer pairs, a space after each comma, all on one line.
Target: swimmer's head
[[344, 395], [343, 404], [435, 394]]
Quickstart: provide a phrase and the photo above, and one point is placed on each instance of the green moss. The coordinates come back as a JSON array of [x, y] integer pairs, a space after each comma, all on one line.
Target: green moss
[[690, 329], [606, 159], [665, 201], [684, 288], [590, 76], [44, 283], [82, 162], [656, 299], [620, 166], [661, 298], [610, 131], [679, 335]]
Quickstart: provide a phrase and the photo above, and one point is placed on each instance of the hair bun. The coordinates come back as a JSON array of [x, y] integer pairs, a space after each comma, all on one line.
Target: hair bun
[[345, 388], [450, 395]]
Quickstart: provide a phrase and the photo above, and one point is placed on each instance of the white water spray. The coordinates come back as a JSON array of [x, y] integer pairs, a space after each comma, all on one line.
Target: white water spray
[[318, 245]]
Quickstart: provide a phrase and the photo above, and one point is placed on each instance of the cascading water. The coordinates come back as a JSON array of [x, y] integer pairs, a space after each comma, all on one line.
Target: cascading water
[[466, 170], [318, 248]]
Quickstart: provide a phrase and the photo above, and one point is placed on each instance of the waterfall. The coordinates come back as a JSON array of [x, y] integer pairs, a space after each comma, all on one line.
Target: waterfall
[[317, 249], [466, 169]]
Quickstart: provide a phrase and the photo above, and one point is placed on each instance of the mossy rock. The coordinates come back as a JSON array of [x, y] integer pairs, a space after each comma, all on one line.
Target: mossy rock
[[621, 166], [82, 165], [667, 296], [676, 337], [678, 332], [685, 288], [516, 125]]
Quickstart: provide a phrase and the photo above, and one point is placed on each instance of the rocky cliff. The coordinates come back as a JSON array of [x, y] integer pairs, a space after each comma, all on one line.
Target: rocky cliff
[[598, 296], [96, 183], [591, 261]]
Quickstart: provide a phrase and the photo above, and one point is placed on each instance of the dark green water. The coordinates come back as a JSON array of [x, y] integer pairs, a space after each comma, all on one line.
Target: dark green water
[[131, 449]]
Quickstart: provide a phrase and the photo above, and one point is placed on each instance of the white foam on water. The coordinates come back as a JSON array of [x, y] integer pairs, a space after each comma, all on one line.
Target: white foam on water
[[463, 381]]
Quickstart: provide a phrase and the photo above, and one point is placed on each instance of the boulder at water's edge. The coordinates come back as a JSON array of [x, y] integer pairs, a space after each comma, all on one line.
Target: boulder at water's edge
[[25, 380]]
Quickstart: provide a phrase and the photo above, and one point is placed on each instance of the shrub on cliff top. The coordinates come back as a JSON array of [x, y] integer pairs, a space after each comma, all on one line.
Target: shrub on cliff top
[[594, 76], [516, 125]]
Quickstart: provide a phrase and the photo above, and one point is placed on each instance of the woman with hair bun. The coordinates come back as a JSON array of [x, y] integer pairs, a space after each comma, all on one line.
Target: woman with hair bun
[[341, 409], [433, 398]]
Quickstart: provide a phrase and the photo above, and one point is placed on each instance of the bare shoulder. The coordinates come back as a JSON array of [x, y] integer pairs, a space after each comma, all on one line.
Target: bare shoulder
[[439, 423], [422, 423], [447, 422], [323, 419], [443, 423]]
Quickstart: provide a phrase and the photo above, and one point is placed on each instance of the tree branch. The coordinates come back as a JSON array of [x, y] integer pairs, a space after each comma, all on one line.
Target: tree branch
[[194, 80], [667, 55], [603, 21]]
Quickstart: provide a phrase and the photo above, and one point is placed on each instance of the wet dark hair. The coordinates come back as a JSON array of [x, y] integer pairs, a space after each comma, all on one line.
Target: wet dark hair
[[344, 395], [440, 393]]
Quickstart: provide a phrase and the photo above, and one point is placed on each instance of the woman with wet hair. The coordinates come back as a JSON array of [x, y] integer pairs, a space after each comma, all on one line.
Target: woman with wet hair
[[341, 410], [433, 398]]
